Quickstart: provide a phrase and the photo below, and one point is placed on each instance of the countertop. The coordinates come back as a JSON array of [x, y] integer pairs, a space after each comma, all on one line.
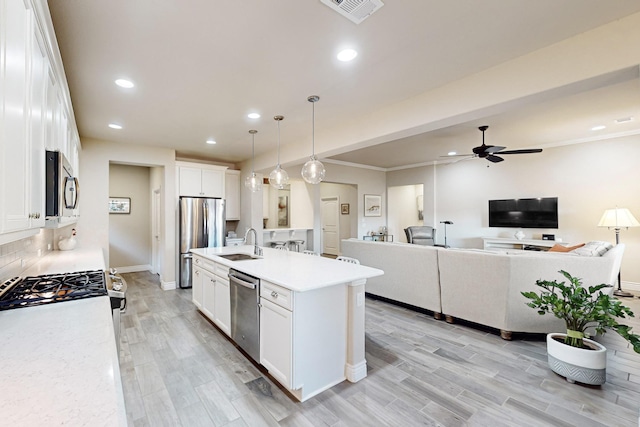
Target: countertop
[[60, 363], [292, 270]]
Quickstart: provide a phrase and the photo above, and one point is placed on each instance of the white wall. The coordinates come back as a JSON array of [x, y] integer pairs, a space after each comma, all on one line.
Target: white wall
[[130, 234], [403, 209], [93, 226], [367, 181], [587, 179]]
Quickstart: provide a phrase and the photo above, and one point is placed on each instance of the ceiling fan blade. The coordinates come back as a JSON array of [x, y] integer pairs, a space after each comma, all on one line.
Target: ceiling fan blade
[[525, 151], [494, 159], [459, 155], [493, 149]]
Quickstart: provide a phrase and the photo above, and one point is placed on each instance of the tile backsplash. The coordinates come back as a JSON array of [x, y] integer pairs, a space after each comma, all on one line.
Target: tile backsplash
[[21, 254]]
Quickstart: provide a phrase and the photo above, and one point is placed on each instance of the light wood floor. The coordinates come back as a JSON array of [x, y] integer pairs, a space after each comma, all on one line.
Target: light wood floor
[[177, 369]]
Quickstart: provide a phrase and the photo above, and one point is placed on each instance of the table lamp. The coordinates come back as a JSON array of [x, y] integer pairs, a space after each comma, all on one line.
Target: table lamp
[[618, 218]]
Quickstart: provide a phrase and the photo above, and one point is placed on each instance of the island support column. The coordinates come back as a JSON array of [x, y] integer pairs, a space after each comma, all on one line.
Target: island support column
[[356, 367]]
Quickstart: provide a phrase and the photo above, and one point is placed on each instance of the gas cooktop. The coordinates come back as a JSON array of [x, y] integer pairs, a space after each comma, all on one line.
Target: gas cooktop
[[38, 290]]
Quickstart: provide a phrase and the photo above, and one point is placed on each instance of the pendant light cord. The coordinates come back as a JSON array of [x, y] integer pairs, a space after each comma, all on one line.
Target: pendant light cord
[[313, 130], [278, 142]]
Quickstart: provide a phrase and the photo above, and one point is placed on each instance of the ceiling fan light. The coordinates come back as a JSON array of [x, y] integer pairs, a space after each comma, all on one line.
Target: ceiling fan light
[[313, 171]]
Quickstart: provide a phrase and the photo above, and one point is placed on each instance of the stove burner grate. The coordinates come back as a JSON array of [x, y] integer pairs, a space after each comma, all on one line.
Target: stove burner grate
[[38, 290]]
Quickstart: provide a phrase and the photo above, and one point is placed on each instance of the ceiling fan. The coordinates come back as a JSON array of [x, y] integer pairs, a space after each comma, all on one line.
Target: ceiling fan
[[489, 151]]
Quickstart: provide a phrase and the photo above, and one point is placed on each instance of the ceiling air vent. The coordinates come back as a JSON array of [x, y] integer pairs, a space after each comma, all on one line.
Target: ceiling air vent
[[355, 10]]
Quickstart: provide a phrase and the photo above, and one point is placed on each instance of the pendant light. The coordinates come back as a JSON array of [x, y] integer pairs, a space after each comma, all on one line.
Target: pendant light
[[253, 182], [278, 178], [313, 171]]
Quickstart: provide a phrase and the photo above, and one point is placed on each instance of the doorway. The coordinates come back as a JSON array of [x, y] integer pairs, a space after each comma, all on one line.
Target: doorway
[[156, 227]]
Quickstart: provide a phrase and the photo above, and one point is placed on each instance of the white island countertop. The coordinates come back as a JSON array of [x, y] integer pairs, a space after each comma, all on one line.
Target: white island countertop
[[292, 270], [60, 362]]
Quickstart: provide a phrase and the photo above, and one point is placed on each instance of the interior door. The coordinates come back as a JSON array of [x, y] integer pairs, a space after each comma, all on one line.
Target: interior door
[[330, 226]]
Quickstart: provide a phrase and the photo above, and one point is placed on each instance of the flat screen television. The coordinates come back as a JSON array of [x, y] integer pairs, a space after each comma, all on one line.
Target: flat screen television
[[524, 213]]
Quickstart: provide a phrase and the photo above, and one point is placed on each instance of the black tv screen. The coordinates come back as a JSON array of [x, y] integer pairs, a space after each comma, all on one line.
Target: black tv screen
[[524, 213]]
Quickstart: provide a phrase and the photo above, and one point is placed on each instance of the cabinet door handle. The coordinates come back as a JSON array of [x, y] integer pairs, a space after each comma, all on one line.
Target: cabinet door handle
[[197, 273], [274, 294]]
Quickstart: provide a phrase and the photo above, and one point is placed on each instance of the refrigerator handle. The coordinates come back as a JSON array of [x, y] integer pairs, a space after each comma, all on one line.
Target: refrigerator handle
[[206, 222]]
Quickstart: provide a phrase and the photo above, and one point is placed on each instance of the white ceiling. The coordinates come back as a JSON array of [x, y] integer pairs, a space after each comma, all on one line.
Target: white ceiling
[[201, 65]]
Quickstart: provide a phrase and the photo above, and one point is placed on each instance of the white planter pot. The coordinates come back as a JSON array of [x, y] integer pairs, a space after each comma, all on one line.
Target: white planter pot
[[577, 364]]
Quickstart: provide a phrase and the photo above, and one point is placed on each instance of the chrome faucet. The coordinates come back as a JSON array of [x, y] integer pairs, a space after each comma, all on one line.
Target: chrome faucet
[[257, 250]]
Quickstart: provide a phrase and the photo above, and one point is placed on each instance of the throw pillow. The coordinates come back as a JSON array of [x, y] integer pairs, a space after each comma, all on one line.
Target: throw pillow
[[595, 248], [560, 248]]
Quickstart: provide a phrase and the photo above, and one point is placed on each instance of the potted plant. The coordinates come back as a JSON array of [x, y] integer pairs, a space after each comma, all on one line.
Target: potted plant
[[573, 355]]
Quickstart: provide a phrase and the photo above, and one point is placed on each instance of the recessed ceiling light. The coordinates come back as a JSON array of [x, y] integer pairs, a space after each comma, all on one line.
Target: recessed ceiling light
[[253, 115], [624, 120], [598, 127], [125, 83], [347, 55], [451, 153], [211, 141], [114, 126]]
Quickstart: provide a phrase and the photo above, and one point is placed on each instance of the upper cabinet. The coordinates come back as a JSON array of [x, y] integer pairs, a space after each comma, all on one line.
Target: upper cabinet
[[201, 180], [35, 113], [232, 194]]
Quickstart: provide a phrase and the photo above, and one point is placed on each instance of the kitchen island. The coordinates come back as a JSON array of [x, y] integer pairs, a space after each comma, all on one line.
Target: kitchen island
[[311, 313]]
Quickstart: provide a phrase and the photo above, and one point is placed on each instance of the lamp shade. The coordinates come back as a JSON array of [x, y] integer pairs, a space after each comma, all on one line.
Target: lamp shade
[[618, 218]]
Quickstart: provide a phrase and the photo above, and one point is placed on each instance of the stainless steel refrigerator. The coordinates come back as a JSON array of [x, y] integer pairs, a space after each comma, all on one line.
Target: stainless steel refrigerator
[[202, 225]]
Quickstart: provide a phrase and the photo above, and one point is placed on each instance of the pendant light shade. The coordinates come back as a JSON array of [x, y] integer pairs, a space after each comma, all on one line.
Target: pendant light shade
[[253, 182], [313, 171], [278, 178]]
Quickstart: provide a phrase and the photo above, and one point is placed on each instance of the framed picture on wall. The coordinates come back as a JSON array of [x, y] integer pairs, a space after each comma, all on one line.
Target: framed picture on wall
[[344, 208], [119, 205], [372, 205]]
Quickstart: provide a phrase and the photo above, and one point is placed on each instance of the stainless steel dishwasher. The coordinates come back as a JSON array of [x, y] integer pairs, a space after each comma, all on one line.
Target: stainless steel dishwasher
[[245, 314]]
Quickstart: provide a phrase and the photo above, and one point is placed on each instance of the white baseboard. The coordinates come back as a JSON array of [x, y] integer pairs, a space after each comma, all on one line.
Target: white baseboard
[[134, 268], [355, 373], [630, 286], [167, 286]]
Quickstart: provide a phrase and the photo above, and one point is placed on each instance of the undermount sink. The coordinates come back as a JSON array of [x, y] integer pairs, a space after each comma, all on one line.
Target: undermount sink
[[238, 257]]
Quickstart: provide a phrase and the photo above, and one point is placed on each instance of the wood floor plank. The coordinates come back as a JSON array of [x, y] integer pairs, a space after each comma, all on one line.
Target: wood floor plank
[[421, 371]]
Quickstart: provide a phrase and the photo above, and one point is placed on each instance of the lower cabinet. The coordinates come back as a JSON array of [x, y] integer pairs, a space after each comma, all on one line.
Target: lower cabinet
[[303, 337], [222, 299], [211, 295], [196, 286], [208, 294], [275, 341]]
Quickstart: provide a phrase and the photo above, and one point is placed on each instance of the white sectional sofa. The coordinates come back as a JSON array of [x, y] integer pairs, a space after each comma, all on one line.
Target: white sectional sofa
[[479, 286], [410, 271]]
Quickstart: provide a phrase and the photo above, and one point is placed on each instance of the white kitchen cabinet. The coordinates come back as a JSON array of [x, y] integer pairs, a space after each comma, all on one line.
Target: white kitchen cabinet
[[275, 341], [200, 180], [298, 356], [34, 114], [210, 286], [222, 303], [208, 294], [232, 194], [22, 77], [196, 286]]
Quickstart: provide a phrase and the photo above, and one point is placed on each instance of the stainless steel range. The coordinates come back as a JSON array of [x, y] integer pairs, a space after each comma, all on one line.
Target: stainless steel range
[[31, 291]]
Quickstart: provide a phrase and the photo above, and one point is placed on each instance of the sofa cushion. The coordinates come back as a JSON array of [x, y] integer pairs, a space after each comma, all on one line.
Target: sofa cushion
[[559, 248], [594, 248]]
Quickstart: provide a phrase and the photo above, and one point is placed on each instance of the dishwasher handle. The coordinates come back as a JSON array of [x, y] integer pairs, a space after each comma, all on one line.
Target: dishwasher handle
[[239, 281]]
